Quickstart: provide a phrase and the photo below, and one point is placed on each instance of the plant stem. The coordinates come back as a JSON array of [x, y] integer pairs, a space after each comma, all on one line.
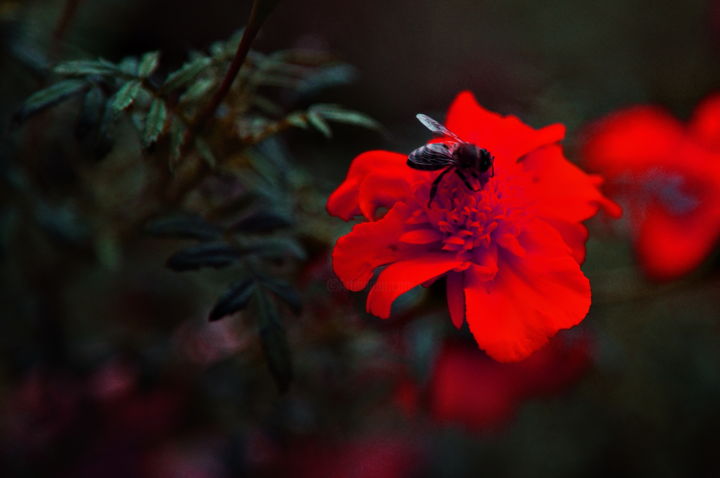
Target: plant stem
[[63, 23], [260, 11]]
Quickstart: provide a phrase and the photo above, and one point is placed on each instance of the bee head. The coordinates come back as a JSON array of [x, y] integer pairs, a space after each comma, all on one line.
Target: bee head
[[484, 159]]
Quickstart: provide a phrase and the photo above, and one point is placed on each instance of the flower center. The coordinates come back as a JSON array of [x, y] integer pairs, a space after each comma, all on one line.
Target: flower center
[[471, 220], [671, 190]]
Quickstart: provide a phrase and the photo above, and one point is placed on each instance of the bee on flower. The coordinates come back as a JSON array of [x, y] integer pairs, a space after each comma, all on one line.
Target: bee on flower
[[508, 244]]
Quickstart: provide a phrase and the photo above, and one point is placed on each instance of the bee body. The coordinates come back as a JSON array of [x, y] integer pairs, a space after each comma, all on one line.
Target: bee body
[[455, 155]]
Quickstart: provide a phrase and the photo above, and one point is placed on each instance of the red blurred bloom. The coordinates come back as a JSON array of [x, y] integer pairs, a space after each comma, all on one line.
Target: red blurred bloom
[[470, 389], [510, 253], [669, 176], [387, 455]]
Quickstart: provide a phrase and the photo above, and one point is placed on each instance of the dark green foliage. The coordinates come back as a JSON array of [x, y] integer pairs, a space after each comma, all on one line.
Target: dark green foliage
[[184, 226], [91, 113], [48, 97], [274, 340], [178, 99], [234, 299], [148, 64], [126, 95], [262, 221], [88, 68], [215, 255], [155, 121], [187, 73], [255, 240], [285, 292]]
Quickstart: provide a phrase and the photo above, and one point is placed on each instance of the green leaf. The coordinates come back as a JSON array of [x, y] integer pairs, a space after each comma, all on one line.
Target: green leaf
[[184, 226], [274, 341], [279, 248], [262, 222], [125, 96], [129, 65], [148, 64], [186, 73], [48, 97], [329, 76], [279, 81], [87, 67], [108, 250], [197, 90], [91, 113], [205, 152], [105, 132], [341, 115], [215, 255], [178, 136], [319, 123], [225, 50], [297, 119], [285, 292], [155, 121], [266, 106], [234, 299]]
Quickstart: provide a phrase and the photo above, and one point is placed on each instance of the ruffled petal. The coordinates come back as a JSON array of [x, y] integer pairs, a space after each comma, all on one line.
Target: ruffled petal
[[530, 299], [368, 246], [575, 235], [561, 190], [401, 276], [375, 179], [506, 137], [421, 236]]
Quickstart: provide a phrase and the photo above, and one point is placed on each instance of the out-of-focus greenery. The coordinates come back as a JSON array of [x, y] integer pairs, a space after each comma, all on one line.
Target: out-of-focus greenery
[[108, 363]]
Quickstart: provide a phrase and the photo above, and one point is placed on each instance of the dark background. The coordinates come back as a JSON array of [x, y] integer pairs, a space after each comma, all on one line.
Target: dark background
[[114, 372]]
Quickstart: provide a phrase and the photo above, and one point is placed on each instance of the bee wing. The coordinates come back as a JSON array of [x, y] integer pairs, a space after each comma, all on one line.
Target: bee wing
[[436, 127], [432, 156]]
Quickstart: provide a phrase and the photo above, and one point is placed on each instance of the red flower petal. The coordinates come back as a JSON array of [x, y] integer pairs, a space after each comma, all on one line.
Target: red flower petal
[[705, 124], [669, 177], [506, 137], [456, 298], [564, 192], [375, 179], [470, 389], [399, 277], [368, 246], [421, 236], [632, 140], [670, 246], [518, 238], [530, 299]]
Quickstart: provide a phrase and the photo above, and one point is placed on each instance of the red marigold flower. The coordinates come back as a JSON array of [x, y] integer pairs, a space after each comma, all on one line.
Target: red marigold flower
[[668, 175], [468, 388], [510, 252]]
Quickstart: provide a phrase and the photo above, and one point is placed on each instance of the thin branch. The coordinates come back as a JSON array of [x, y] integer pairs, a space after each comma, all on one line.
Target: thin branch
[[259, 13], [63, 23]]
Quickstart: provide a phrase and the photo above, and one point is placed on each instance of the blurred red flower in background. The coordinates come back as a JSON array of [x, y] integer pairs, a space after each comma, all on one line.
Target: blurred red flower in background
[[468, 388], [510, 252], [668, 175], [386, 455]]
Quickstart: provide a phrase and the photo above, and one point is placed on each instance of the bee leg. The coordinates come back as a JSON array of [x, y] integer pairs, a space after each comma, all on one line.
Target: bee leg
[[465, 180], [436, 183]]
